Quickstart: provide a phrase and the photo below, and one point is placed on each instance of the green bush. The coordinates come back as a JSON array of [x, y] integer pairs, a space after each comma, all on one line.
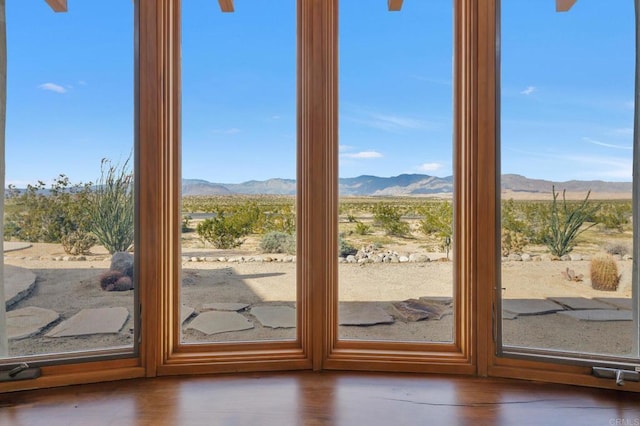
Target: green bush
[[614, 215], [362, 228], [78, 242], [282, 219], [112, 207], [388, 217], [278, 242], [344, 248], [224, 230], [186, 221], [38, 214], [566, 223]]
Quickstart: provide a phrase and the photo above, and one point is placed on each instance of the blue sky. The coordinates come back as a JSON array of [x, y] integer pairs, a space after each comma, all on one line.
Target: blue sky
[[567, 90]]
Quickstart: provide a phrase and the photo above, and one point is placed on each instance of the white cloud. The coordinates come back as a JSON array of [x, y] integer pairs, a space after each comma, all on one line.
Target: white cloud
[[52, 87], [231, 131], [364, 155], [528, 91], [344, 148], [608, 145], [430, 167], [625, 131]]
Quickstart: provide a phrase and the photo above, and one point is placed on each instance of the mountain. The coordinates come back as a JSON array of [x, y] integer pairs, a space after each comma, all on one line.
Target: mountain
[[519, 183], [404, 185]]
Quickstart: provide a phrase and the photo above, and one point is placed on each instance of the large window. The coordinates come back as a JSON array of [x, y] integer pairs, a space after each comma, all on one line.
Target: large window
[[567, 142], [69, 282], [241, 131]]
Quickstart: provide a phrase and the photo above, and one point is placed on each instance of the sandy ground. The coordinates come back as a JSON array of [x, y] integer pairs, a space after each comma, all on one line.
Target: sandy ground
[[68, 286]]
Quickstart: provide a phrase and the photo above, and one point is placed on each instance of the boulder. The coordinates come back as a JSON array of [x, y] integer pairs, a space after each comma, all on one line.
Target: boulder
[[122, 262]]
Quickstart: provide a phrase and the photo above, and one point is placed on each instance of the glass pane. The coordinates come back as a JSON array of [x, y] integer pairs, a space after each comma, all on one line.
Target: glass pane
[[567, 149], [69, 202], [396, 183], [239, 171]]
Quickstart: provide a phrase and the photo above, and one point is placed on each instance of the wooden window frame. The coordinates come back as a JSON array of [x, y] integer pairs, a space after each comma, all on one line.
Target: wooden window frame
[[317, 347], [488, 260]]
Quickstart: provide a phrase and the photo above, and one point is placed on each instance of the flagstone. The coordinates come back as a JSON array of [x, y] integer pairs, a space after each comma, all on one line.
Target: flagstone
[[14, 246], [230, 307], [419, 310], [275, 316], [580, 303], [362, 313], [599, 315], [618, 302], [185, 313], [92, 321], [29, 321], [18, 284], [215, 322], [523, 307]]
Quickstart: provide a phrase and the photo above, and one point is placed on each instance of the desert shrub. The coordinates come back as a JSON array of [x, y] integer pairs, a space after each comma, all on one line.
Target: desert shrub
[[344, 248], [78, 242], [283, 219], [388, 217], [437, 219], [614, 215], [617, 248], [278, 242], [112, 207], [362, 228], [186, 221], [604, 272], [566, 223], [512, 242], [41, 214], [224, 230]]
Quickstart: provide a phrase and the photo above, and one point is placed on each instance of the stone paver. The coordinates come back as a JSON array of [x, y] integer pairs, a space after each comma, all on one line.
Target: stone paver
[[29, 321], [185, 313], [618, 302], [530, 306], [599, 315], [18, 284], [275, 316], [580, 303], [230, 307], [362, 313], [444, 300], [419, 310], [92, 321], [15, 245], [214, 322], [506, 315]]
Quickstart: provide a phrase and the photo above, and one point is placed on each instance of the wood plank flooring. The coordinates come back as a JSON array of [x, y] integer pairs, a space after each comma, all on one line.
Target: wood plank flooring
[[330, 398]]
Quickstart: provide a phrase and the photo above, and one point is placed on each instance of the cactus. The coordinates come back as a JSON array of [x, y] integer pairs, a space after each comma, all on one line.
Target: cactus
[[604, 273]]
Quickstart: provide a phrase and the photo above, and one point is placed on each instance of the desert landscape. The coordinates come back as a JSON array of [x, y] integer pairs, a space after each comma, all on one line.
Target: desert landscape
[[254, 279], [395, 274]]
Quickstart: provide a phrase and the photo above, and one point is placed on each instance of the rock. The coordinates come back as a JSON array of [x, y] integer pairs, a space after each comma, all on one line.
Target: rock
[[194, 259], [419, 310], [210, 259], [575, 257], [418, 258], [515, 257], [565, 257], [394, 258], [525, 257], [351, 259], [403, 259], [626, 257], [122, 262]]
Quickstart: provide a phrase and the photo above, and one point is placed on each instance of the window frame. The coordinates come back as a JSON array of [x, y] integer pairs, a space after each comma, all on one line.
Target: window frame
[[490, 362]]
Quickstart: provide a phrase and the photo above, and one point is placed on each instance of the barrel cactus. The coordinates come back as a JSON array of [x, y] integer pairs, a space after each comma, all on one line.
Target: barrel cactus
[[604, 272]]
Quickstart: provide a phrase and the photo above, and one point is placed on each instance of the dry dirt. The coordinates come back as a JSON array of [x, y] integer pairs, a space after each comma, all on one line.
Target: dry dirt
[[68, 286]]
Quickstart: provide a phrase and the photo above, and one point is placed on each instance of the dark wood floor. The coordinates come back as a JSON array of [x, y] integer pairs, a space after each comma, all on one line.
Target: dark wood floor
[[322, 398]]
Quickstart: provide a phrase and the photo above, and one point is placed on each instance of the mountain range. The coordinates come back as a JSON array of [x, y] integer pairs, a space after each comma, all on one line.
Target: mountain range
[[401, 185]]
